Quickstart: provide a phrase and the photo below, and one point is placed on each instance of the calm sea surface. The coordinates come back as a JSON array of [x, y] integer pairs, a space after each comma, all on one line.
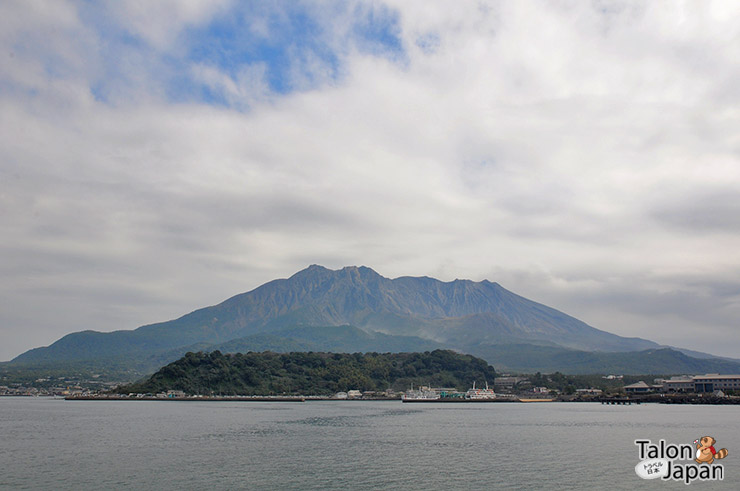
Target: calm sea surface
[[57, 444]]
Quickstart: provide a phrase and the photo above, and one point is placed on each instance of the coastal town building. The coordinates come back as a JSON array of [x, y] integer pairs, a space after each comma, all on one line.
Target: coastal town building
[[677, 384], [713, 381], [589, 391], [507, 383], [637, 388], [709, 383]]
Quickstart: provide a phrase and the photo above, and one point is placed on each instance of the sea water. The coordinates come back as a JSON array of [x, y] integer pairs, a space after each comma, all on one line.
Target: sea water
[[57, 444]]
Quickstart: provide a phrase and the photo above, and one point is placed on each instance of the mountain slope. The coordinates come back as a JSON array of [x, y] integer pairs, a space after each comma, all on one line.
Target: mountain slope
[[529, 358], [457, 314], [342, 339]]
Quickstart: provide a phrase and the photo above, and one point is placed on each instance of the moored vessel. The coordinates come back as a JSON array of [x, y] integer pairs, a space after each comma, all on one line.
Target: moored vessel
[[480, 394], [423, 393], [429, 394]]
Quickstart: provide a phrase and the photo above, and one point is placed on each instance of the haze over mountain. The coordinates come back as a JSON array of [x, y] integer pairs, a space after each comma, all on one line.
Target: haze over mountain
[[352, 309]]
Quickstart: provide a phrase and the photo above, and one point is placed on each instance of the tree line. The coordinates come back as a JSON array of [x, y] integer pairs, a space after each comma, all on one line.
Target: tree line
[[311, 373]]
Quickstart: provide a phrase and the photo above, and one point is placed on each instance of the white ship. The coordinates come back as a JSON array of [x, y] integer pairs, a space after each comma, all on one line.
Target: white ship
[[480, 394], [423, 393], [429, 394]]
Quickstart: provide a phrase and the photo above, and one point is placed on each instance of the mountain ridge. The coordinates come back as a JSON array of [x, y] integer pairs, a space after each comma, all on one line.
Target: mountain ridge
[[458, 314]]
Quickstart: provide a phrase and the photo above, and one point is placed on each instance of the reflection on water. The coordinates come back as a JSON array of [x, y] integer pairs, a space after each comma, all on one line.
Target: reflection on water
[[54, 444]]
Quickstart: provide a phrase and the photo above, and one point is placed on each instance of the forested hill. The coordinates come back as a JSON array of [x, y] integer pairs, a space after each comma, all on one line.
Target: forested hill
[[313, 373]]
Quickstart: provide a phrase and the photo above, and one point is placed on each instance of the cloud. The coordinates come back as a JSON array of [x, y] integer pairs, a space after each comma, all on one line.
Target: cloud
[[161, 24], [159, 159], [248, 87]]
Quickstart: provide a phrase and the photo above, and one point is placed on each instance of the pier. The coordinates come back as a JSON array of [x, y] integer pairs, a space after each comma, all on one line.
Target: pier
[[619, 400]]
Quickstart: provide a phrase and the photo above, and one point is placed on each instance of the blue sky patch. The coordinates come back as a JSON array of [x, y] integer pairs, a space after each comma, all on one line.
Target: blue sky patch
[[297, 43], [292, 46]]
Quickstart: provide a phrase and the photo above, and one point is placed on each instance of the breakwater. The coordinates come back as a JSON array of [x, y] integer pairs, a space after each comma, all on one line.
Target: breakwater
[[694, 399]]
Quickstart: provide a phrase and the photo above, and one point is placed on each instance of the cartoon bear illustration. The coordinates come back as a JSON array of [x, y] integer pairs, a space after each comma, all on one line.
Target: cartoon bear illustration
[[705, 452]]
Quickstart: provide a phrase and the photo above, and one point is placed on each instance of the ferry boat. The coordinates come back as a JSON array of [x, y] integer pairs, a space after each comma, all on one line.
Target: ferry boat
[[480, 394], [428, 394], [423, 393]]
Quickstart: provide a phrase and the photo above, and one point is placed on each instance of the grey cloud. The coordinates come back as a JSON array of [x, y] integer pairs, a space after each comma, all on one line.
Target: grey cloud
[[701, 211], [583, 155], [691, 311]]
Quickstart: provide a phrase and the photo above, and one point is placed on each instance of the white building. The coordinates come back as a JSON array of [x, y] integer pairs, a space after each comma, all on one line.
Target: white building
[[677, 384], [637, 388], [714, 381]]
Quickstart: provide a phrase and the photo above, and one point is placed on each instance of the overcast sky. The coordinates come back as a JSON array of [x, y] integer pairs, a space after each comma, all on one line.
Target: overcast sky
[[161, 156]]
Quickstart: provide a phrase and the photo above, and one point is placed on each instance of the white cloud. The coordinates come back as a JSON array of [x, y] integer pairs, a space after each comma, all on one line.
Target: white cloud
[[581, 154], [160, 23], [243, 91]]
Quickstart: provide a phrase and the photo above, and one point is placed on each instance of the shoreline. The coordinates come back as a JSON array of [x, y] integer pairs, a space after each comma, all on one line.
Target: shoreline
[[602, 401], [192, 399]]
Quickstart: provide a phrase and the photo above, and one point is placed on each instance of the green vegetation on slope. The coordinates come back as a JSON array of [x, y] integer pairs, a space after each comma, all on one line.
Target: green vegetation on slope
[[313, 373], [336, 339], [113, 371], [530, 358]]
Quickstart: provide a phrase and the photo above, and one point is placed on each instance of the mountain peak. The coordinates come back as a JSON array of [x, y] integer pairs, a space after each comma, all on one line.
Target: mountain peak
[[319, 267], [352, 271], [463, 314]]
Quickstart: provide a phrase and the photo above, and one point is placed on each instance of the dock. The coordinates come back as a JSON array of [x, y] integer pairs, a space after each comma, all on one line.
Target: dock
[[619, 400]]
